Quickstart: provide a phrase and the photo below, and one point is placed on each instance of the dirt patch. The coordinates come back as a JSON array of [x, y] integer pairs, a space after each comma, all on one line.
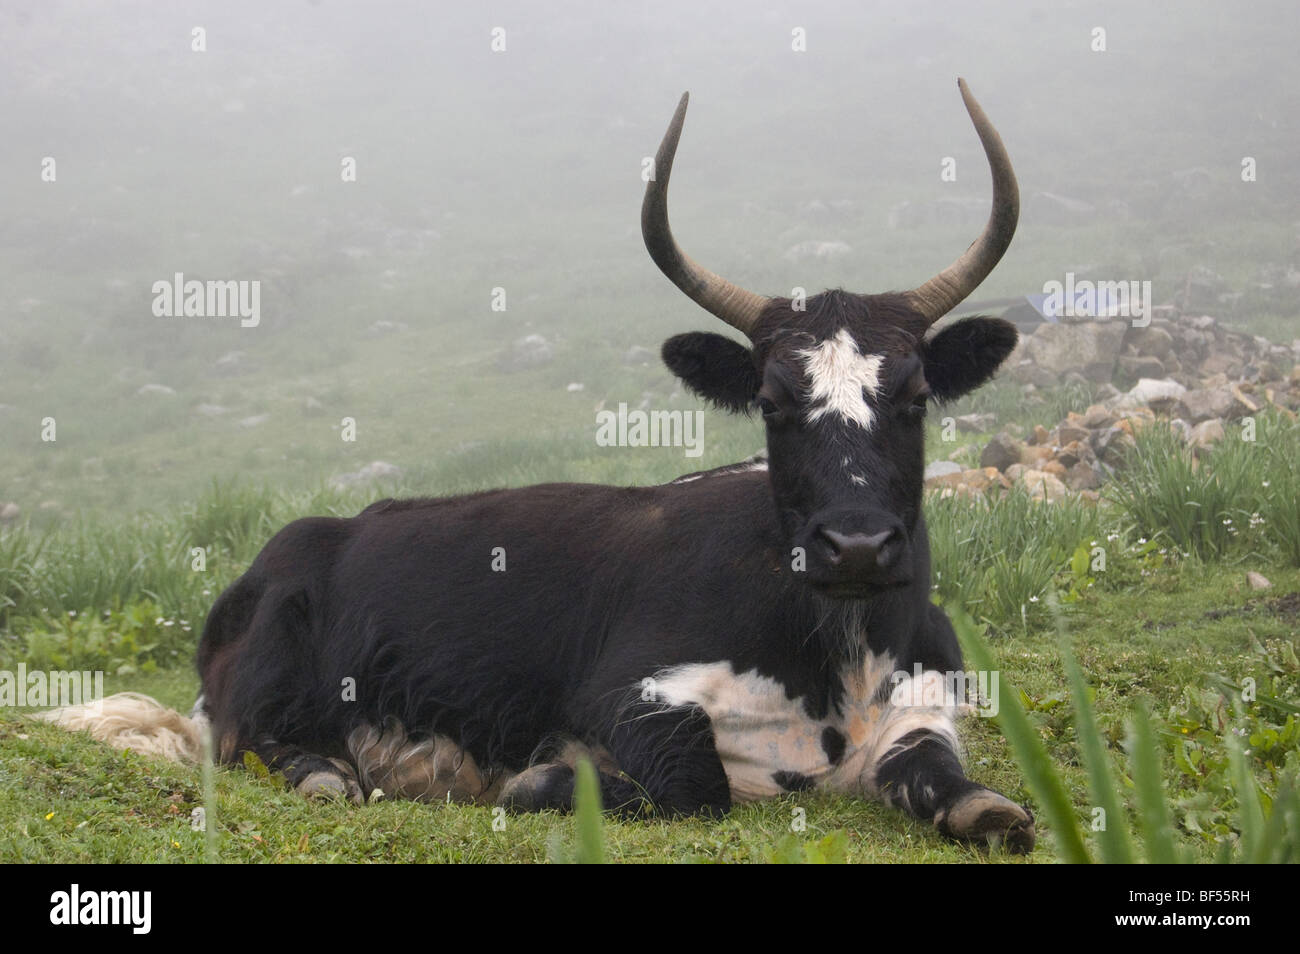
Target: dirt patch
[[1285, 607]]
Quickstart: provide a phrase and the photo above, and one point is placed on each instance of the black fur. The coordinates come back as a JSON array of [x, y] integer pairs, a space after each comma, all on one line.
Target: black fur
[[718, 369], [964, 355], [605, 586], [833, 744]]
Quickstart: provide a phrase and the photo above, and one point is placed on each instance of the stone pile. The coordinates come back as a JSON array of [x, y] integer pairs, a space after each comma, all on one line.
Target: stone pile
[[1190, 373]]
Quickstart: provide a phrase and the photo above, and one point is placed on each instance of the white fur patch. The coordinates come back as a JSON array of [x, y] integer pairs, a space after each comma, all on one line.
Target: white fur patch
[[839, 374], [759, 731]]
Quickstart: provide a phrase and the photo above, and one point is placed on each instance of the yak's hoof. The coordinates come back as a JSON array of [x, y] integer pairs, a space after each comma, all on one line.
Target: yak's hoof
[[539, 788], [989, 819], [331, 786]]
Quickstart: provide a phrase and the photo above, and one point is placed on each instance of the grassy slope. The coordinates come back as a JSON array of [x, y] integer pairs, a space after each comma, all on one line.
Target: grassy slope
[[63, 798]]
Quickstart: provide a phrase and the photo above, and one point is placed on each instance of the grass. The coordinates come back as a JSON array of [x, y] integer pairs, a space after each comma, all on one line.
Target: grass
[[1262, 826], [138, 809], [1243, 498]]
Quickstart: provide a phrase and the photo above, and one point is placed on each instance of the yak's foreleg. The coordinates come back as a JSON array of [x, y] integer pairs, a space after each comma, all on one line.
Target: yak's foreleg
[[910, 761], [658, 759], [312, 775]]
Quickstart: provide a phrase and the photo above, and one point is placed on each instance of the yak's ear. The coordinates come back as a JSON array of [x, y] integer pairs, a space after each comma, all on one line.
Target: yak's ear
[[965, 354], [716, 368]]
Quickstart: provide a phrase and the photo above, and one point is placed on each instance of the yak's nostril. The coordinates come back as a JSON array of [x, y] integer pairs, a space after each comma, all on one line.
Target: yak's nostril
[[862, 550], [889, 549]]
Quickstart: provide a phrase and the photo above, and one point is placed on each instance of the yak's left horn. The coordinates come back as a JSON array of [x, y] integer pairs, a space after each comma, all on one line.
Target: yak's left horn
[[733, 304], [945, 291]]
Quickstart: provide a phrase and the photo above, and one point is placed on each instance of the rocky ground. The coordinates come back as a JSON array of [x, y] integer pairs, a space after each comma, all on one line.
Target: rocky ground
[[1188, 372]]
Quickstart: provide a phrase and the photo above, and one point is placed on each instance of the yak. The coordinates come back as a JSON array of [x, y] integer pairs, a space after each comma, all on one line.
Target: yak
[[735, 634]]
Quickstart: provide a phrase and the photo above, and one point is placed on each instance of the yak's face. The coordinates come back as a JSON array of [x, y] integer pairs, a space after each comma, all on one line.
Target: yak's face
[[842, 383], [843, 395]]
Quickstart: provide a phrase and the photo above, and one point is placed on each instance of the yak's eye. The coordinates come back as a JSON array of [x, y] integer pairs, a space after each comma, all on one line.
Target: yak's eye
[[917, 407], [768, 408]]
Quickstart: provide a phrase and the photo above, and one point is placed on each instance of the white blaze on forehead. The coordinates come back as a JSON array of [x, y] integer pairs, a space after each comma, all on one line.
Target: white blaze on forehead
[[839, 374]]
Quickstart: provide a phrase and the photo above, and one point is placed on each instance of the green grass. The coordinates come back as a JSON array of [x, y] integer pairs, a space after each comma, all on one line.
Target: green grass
[[1242, 498], [138, 809]]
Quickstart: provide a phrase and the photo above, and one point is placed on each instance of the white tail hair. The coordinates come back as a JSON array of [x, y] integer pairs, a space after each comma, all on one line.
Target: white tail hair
[[129, 720]]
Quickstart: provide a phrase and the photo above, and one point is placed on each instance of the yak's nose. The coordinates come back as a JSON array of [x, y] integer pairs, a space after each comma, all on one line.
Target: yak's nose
[[862, 553]]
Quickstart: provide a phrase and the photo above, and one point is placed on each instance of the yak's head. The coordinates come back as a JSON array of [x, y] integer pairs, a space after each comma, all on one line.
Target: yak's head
[[842, 381]]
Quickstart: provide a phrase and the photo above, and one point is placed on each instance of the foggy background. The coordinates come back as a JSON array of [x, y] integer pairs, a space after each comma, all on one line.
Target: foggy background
[[522, 170]]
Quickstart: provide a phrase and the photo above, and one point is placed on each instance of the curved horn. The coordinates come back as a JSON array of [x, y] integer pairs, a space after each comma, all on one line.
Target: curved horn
[[733, 304], [945, 291]]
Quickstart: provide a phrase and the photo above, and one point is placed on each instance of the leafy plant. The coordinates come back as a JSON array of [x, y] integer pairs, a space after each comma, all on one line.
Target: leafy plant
[[1257, 828]]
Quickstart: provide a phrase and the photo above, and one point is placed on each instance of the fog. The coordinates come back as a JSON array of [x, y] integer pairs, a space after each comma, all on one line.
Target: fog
[[500, 147]]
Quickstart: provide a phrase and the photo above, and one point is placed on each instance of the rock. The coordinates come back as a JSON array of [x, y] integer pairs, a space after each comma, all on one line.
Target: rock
[[1088, 347], [1098, 416], [1137, 366], [232, 363], [1239, 393], [385, 327], [9, 512], [968, 483], [161, 390], [379, 469], [530, 351], [1182, 429], [1013, 472], [1111, 444], [375, 470], [1001, 452], [1207, 433], [1074, 453], [1069, 433], [211, 410], [1152, 341], [1029, 373], [1258, 581], [1082, 476], [941, 468], [638, 355], [1035, 455], [813, 249], [1219, 364], [975, 423], [982, 479], [256, 420], [1202, 404], [1042, 486], [1148, 390]]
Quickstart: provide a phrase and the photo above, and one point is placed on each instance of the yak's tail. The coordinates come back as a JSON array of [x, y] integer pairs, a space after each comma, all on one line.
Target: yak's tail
[[129, 720]]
